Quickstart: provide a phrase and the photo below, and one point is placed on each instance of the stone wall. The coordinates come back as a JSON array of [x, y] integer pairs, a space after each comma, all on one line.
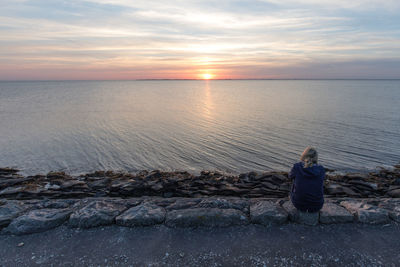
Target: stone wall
[[383, 183], [180, 199], [31, 216]]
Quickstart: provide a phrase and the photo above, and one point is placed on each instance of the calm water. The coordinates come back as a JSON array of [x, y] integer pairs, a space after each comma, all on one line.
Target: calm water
[[232, 126]]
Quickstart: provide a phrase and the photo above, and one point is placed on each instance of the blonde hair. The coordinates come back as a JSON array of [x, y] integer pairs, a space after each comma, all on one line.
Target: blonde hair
[[309, 157]]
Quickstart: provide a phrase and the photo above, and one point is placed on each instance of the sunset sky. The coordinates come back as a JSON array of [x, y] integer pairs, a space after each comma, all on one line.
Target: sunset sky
[[141, 39]]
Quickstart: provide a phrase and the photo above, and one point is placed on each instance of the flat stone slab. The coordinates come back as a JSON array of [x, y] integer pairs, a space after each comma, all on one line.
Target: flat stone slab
[[307, 218], [38, 221], [366, 213], [182, 203], [96, 213], [142, 215], [333, 213], [221, 203], [212, 202], [267, 213], [393, 207], [9, 211], [299, 216], [208, 217], [395, 214], [291, 210], [56, 203]]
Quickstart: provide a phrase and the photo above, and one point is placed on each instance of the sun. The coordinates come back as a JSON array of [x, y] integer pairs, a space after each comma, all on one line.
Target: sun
[[207, 76]]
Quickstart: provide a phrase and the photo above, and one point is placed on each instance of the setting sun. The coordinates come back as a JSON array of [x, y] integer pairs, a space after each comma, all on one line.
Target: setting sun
[[207, 76]]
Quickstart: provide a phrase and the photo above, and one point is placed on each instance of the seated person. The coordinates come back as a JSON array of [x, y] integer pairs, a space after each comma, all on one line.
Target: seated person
[[307, 193]]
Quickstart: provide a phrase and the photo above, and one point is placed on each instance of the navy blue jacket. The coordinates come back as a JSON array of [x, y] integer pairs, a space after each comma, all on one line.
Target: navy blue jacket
[[307, 192]]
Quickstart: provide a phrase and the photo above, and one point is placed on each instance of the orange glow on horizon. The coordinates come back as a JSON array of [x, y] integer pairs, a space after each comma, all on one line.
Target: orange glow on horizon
[[207, 76]]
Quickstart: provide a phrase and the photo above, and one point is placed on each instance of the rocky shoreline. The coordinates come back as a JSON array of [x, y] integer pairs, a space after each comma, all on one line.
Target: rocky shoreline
[[382, 183], [179, 199]]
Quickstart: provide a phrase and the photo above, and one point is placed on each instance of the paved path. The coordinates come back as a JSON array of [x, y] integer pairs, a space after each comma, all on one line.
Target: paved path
[[252, 245]]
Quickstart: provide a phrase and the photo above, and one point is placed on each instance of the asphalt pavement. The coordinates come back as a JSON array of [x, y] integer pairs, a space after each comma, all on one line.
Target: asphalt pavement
[[251, 245]]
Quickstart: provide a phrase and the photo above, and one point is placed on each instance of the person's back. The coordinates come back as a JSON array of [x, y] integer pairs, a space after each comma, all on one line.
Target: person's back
[[307, 192]]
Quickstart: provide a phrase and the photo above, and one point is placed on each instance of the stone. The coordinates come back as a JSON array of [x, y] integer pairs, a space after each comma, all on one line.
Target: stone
[[55, 204], [270, 185], [96, 213], [333, 213], [339, 190], [131, 202], [142, 215], [76, 184], [37, 221], [371, 186], [9, 211], [51, 186], [12, 190], [227, 189], [14, 181], [395, 214], [366, 213], [69, 194], [394, 193], [157, 187], [392, 206], [99, 183], [393, 187], [208, 217], [295, 215], [154, 174], [267, 213], [222, 203], [361, 176], [5, 171], [307, 218], [183, 203], [57, 175], [291, 210]]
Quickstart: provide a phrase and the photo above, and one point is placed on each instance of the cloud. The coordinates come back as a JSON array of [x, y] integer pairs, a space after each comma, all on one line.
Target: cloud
[[233, 38], [340, 4]]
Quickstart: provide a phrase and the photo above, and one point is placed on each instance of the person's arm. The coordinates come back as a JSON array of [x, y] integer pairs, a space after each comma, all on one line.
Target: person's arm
[[323, 174], [292, 172]]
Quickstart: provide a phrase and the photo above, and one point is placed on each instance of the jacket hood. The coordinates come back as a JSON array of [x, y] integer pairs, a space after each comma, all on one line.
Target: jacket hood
[[311, 172]]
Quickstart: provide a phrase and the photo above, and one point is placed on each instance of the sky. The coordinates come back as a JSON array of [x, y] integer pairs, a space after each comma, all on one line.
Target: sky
[[186, 39]]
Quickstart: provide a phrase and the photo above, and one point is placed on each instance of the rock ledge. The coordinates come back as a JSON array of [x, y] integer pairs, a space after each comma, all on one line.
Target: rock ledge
[[31, 216]]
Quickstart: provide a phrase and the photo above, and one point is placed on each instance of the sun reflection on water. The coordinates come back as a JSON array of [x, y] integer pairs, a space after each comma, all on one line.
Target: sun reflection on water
[[208, 101]]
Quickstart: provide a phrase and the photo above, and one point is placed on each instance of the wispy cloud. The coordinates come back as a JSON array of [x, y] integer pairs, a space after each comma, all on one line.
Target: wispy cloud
[[182, 39]]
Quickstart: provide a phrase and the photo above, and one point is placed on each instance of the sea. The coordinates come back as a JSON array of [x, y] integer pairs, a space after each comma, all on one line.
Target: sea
[[232, 126]]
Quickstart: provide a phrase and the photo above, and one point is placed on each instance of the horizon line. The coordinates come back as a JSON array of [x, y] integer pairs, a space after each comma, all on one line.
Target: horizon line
[[233, 79]]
